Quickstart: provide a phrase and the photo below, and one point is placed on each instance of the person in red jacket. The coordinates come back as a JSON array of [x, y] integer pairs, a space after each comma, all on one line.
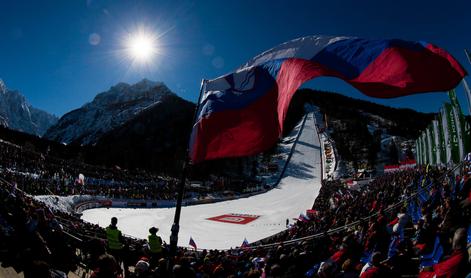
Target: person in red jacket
[[456, 265], [375, 269]]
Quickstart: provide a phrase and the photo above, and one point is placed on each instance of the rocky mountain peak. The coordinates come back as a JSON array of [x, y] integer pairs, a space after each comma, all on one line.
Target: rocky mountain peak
[[16, 113], [107, 111], [144, 90], [3, 87]]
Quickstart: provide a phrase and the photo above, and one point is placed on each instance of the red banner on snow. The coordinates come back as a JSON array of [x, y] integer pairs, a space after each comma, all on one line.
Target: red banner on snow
[[235, 218]]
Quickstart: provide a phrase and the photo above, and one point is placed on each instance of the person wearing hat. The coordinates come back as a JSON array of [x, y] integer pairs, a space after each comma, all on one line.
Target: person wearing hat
[[155, 246]]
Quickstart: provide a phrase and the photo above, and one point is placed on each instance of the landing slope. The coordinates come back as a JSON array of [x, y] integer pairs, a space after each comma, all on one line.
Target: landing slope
[[295, 193]]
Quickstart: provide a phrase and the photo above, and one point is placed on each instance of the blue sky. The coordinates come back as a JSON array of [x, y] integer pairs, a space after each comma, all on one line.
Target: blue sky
[[50, 52]]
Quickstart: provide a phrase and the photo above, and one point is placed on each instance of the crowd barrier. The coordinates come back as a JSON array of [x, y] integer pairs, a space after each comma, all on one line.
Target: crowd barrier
[[105, 203], [353, 224], [80, 207], [76, 236]]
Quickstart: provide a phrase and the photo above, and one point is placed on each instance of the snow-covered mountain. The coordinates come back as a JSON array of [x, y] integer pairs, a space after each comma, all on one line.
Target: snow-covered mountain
[[16, 113], [107, 111]]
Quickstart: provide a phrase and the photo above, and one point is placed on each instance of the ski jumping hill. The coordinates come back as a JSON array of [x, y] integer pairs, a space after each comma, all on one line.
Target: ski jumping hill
[[225, 224]]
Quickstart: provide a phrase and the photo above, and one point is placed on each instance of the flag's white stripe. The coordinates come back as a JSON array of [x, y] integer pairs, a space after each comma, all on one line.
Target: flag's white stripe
[[303, 48]]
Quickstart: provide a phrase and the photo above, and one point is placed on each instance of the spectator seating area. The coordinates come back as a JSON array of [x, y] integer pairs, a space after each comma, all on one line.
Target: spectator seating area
[[410, 223], [43, 174]]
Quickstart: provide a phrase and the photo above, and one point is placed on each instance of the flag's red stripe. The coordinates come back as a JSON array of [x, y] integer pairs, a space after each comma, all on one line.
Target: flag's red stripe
[[292, 74], [395, 72], [400, 72], [238, 132]]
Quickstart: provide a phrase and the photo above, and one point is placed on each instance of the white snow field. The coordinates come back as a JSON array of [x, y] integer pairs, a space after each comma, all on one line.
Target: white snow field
[[295, 193]]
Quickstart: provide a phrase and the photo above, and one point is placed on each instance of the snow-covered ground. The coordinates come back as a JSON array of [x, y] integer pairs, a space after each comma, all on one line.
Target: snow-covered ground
[[284, 149], [295, 193]]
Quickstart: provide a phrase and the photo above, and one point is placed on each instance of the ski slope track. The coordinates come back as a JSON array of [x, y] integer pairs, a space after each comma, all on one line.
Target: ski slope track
[[294, 194]]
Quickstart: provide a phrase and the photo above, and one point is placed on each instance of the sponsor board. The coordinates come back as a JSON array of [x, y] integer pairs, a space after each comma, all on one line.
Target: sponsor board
[[136, 204], [235, 218]]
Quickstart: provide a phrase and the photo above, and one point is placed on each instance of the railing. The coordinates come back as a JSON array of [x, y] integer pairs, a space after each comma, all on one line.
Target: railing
[[352, 224], [77, 235]]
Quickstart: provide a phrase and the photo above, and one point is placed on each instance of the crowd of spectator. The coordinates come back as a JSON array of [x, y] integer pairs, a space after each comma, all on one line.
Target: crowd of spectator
[[386, 229], [414, 222], [43, 174]]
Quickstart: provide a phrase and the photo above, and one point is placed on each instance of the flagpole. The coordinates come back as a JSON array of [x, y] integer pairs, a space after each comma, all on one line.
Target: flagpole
[[468, 55], [181, 188], [465, 84]]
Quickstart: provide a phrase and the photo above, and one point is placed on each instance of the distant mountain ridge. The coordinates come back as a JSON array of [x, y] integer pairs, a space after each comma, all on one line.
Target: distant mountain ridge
[[16, 113], [107, 111], [156, 138]]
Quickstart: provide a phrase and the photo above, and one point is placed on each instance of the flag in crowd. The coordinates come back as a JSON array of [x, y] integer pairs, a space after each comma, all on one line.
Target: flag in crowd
[[442, 142], [80, 180], [459, 122], [414, 211], [467, 158], [303, 218], [245, 243], [242, 113], [430, 142], [436, 140], [446, 134], [193, 243]]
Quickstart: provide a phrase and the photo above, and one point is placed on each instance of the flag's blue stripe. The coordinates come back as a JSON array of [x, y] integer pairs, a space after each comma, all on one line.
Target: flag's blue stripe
[[351, 56], [273, 67], [265, 79]]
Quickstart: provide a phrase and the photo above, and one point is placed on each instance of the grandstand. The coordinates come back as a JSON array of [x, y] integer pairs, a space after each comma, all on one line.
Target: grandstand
[[240, 139], [414, 222]]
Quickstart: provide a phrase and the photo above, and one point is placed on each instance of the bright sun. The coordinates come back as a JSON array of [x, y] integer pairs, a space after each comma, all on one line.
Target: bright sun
[[142, 47]]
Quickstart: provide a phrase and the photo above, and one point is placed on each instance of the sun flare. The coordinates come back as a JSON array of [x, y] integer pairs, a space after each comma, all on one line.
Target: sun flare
[[142, 47]]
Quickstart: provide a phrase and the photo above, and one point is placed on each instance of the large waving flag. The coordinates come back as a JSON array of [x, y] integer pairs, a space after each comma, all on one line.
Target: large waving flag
[[242, 113]]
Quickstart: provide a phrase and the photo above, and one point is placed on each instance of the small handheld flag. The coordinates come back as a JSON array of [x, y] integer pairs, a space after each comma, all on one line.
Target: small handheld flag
[[192, 243], [245, 243], [303, 218], [467, 158]]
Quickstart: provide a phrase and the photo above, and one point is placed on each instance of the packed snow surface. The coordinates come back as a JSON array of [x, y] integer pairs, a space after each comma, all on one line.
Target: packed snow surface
[[295, 193], [64, 203]]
